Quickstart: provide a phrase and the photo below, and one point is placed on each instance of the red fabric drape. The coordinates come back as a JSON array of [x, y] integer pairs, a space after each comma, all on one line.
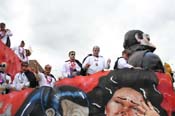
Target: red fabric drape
[[7, 55]]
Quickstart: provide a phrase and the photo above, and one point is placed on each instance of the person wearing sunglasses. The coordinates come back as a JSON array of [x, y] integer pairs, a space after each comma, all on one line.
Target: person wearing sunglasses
[[71, 67], [21, 81], [5, 79]]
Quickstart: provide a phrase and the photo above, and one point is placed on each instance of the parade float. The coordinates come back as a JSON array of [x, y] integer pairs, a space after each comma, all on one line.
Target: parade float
[[88, 95]]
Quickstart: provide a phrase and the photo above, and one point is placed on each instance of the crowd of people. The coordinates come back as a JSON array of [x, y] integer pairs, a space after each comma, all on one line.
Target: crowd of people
[[72, 67], [27, 76], [33, 78], [91, 64]]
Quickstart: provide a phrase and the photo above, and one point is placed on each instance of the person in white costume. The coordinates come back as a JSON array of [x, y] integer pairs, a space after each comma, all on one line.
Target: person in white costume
[[45, 78], [21, 81], [5, 34], [122, 62], [5, 79], [95, 63], [21, 52], [71, 67]]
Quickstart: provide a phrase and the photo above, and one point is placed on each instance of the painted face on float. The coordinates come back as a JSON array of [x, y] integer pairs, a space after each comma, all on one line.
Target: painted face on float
[[124, 102]]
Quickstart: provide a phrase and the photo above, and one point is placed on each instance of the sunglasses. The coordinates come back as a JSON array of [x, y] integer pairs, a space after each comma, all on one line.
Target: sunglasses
[[24, 65], [2, 65]]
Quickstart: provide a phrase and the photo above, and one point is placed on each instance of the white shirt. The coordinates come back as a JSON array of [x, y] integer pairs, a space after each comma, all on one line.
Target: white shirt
[[96, 64], [5, 77], [4, 39], [20, 81], [21, 53], [3, 80], [45, 80], [68, 68], [122, 63]]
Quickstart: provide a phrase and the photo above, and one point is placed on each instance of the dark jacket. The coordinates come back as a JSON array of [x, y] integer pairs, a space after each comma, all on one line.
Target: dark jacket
[[32, 79]]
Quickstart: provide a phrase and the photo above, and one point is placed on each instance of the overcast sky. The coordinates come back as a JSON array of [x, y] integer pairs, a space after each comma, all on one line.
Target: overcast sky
[[54, 27]]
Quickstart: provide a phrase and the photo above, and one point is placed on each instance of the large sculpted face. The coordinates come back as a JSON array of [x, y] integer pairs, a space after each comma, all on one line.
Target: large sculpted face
[[124, 102]]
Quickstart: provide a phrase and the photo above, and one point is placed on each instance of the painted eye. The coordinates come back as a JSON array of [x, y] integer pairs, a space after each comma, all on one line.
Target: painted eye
[[134, 108], [119, 103]]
